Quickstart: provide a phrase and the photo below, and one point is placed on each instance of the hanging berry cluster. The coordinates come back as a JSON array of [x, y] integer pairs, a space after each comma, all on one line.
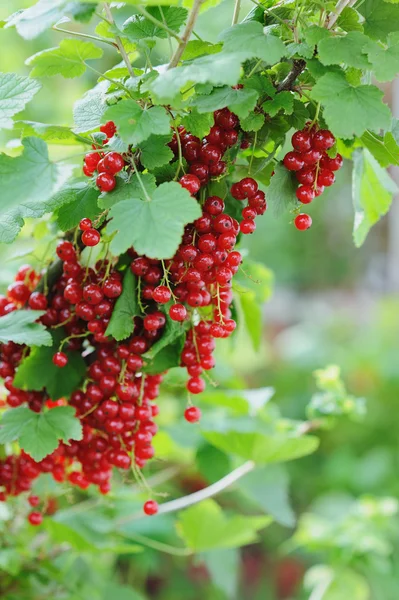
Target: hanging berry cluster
[[313, 167]]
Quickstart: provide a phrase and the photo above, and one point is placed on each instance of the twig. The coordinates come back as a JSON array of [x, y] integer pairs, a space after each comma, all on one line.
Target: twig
[[119, 43], [298, 66], [334, 16], [187, 34], [84, 35], [207, 492], [236, 13]]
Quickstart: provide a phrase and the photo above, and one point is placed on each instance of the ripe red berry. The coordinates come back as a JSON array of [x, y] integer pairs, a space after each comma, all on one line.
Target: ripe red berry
[[35, 518], [312, 157], [34, 500], [92, 160], [248, 186], [302, 141], [88, 172], [195, 385], [226, 119], [60, 359], [91, 237], [332, 164], [113, 162], [325, 178], [109, 129], [247, 226], [191, 183], [66, 251], [237, 192], [293, 161], [192, 414], [161, 294], [85, 224], [37, 301], [303, 222], [210, 154], [177, 312], [323, 140], [306, 176], [305, 194], [151, 507], [106, 182]]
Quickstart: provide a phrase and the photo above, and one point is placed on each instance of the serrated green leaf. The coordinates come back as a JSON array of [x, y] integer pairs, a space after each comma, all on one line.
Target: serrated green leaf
[[350, 110], [126, 308], [167, 357], [224, 568], [299, 116], [347, 49], [77, 200], [253, 122], [299, 49], [136, 124], [384, 149], [380, 18], [67, 60], [314, 34], [349, 20], [372, 190], [218, 69], [24, 194], [282, 101], [52, 134], [128, 190], [385, 60], [199, 124], [34, 20], [281, 191], [37, 371], [262, 84], [240, 101], [81, 11], [88, 111], [205, 526], [172, 331], [197, 48], [250, 40], [262, 448], [159, 221], [15, 92], [139, 27], [20, 327], [39, 433], [155, 151]]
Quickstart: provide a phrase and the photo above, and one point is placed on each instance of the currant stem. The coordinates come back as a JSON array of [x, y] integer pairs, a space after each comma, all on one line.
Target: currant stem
[[236, 12], [334, 16], [84, 35], [119, 42], [187, 34]]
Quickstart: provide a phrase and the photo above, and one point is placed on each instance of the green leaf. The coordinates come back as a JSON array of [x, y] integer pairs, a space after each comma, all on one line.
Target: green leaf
[[15, 92], [300, 115], [23, 193], [37, 371], [385, 60], [241, 101], [138, 27], [372, 190], [253, 122], [81, 12], [67, 60], [213, 464], [20, 327], [252, 317], [380, 19], [384, 149], [166, 358], [314, 34], [299, 49], [250, 40], [224, 568], [268, 488], [136, 124], [219, 69], [197, 48], [281, 191], [328, 584], [282, 101], [262, 448], [128, 191], [63, 534], [205, 527], [254, 276], [350, 110], [53, 134], [347, 49], [126, 308], [120, 592], [39, 433], [159, 221], [172, 331], [88, 111], [33, 21], [77, 200], [155, 152], [199, 124], [349, 20]]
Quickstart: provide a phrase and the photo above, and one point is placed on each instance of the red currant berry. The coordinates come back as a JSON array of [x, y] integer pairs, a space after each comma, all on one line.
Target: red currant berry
[[195, 385], [37, 301], [200, 170], [92, 160], [88, 172], [151, 507], [293, 161], [85, 224], [34, 500], [214, 205], [306, 176], [60, 359], [226, 119], [247, 226], [325, 178], [248, 186], [91, 237], [35, 518], [192, 414], [66, 251], [109, 129], [113, 163], [210, 154], [323, 140], [237, 192], [191, 183], [161, 294], [332, 164], [177, 312], [305, 194], [302, 141], [106, 182], [303, 222]]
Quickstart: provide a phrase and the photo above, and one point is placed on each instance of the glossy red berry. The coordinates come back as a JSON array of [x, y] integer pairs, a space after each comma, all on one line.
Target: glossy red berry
[[293, 161], [113, 163], [226, 119], [332, 164], [248, 186], [191, 183], [66, 251], [247, 226], [37, 301], [306, 176], [325, 177], [91, 237], [34, 500], [305, 194], [35, 518], [210, 154], [92, 160], [85, 224], [109, 129], [302, 141], [177, 312], [192, 414], [303, 222], [195, 385], [150, 507], [323, 140], [237, 192], [60, 359], [106, 182], [161, 294]]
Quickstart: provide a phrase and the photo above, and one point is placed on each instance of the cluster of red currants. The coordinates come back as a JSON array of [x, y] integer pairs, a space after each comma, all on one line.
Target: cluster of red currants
[[105, 164], [247, 189], [314, 168]]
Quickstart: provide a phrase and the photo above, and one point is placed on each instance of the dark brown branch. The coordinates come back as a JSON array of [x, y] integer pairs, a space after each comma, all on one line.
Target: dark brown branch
[[298, 66]]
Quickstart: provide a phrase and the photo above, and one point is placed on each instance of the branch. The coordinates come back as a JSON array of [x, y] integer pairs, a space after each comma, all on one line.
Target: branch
[[236, 13], [119, 43], [298, 65], [334, 16], [187, 34], [207, 492]]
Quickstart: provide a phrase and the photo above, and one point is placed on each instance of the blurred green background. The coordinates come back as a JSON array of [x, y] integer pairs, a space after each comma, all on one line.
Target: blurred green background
[[331, 305]]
